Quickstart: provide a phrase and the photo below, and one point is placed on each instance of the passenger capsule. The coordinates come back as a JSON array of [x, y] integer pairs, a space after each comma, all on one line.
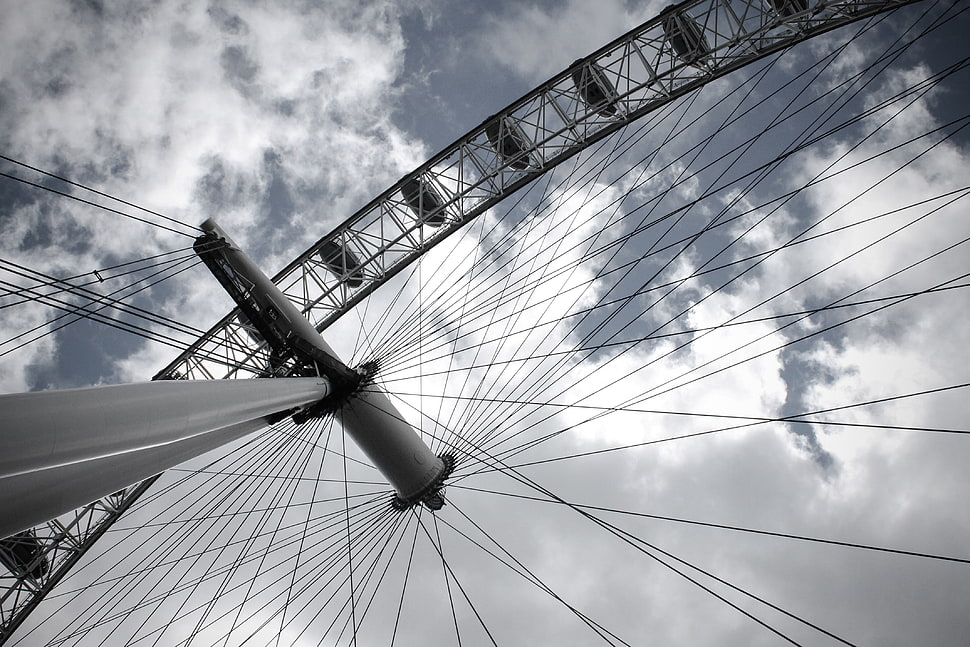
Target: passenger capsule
[[787, 8], [685, 36], [509, 142], [341, 261], [24, 555], [424, 201], [595, 89]]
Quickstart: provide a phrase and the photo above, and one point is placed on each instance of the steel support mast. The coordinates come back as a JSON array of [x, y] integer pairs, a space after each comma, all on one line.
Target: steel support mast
[[63, 449]]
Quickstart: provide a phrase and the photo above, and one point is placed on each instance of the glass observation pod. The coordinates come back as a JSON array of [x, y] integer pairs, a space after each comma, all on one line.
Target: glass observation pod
[[787, 8], [23, 554], [341, 261], [424, 201], [509, 142], [685, 36], [595, 89]]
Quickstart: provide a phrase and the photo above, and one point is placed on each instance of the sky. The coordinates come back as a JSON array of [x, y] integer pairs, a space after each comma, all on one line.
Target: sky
[[280, 121]]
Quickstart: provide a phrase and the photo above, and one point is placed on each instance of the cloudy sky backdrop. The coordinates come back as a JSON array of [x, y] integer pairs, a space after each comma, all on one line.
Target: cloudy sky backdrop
[[588, 289]]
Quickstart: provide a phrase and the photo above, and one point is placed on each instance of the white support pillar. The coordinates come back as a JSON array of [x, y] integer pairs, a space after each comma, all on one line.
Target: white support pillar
[[60, 450]]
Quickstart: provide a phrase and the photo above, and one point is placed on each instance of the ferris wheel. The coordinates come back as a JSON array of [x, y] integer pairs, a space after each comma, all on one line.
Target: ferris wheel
[[594, 317]]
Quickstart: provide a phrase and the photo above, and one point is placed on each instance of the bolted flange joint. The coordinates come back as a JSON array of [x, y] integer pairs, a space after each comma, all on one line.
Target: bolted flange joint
[[433, 496]]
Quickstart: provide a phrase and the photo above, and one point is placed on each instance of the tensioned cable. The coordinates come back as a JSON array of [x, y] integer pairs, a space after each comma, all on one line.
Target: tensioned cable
[[697, 273], [350, 552], [450, 571], [381, 491], [598, 368], [381, 510], [172, 543], [273, 477], [508, 453], [258, 448], [326, 565], [95, 297], [506, 468], [279, 459], [694, 414], [306, 527], [700, 198], [298, 467], [528, 575], [688, 331], [484, 423], [650, 549], [682, 130], [86, 312], [471, 413], [829, 58], [449, 574], [373, 540], [701, 272], [859, 291], [493, 253], [401, 524], [707, 524], [546, 191], [954, 195], [102, 194], [638, 369], [407, 575], [637, 400], [101, 275], [89, 311], [370, 527], [375, 529], [510, 323], [445, 572], [94, 204]]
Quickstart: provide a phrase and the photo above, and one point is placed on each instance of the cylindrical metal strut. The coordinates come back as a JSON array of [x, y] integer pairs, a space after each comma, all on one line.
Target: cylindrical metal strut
[[60, 450], [363, 409], [391, 444]]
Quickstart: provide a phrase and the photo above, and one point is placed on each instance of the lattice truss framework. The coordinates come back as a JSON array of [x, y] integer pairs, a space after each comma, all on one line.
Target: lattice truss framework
[[680, 50]]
